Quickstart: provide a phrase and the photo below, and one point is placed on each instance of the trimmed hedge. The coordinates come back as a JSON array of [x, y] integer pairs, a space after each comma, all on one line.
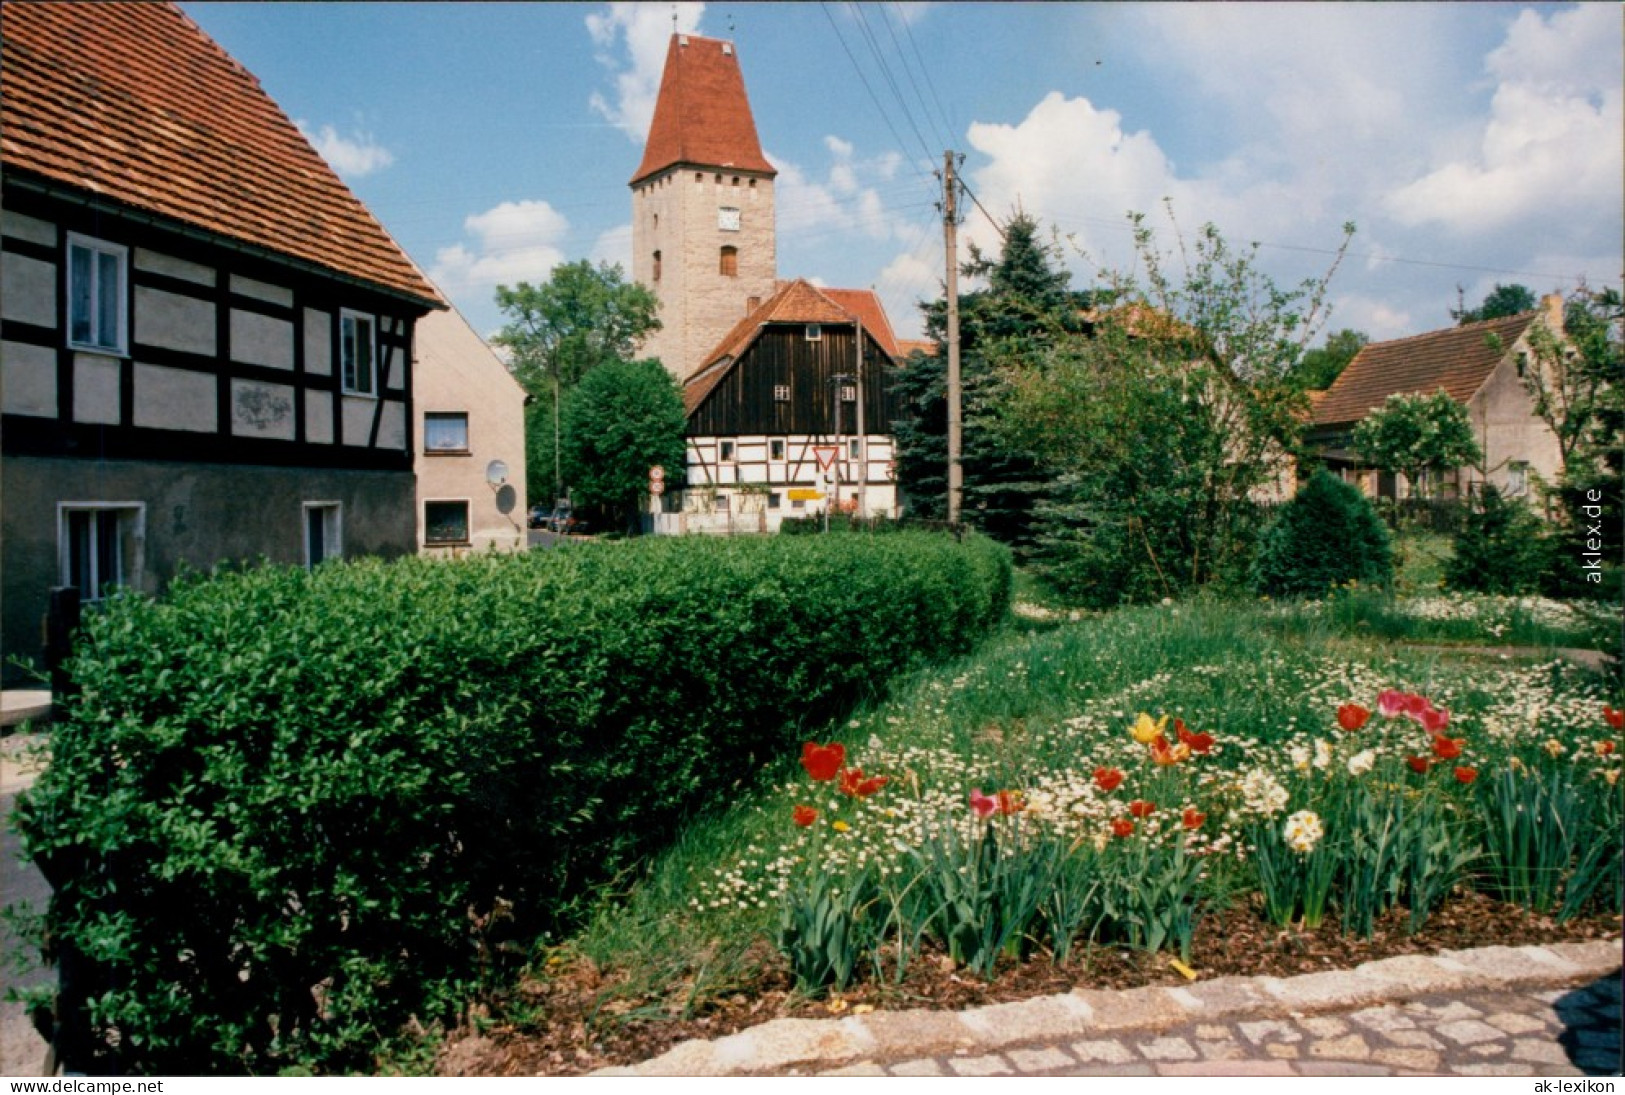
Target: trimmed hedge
[[1328, 534], [288, 810]]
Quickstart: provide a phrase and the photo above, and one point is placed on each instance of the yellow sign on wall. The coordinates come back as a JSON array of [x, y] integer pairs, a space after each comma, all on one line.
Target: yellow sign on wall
[[805, 494]]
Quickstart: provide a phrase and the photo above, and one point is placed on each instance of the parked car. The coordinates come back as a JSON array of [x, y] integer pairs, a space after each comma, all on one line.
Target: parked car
[[563, 521], [540, 516]]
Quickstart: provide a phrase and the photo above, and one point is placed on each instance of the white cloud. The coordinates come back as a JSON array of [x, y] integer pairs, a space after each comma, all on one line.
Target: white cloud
[[632, 40], [615, 246], [514, 241], [844, 200], [353, 157], [1553, 137]]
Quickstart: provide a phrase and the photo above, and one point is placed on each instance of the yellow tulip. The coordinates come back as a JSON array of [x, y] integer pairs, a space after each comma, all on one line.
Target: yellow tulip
[[1145, 731]]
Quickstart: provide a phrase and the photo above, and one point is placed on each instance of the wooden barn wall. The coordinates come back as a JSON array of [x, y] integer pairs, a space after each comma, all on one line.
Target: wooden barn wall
[[743, 403]]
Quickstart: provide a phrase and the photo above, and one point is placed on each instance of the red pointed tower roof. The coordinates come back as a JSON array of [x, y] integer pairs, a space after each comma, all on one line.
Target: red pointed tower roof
[[702, 117]]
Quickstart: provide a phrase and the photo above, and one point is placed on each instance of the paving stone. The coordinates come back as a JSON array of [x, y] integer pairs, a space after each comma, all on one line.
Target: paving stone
[[1514, 1022], [1040, 1060], [1212, 1031], [1229, 996], [1225, 1050], [1030, 1020], [1453, 1009], [916, 1032], [1114, 1070], [1496, 1068], [1281, 1052], [1419, 1060], [1540, 1051], [862, 1068], [921, 1066], [1228, 1068], [1551, 996], [1384, 1019], [1351, 1048], [1466, 1032], [776, 1045], [1596, 958], [1133, 1009], [1263, 1030], [1340, 1068], [1489, 1049], [1105, 1052], [1507, 965], [989, 1065], [1417, 1039], [1324, 1027], [1321, 991], [1420, 974], [1167, 1049]]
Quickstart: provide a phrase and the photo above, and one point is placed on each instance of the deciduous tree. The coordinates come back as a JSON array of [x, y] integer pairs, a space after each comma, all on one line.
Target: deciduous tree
[[621, 420], [1414, 435]]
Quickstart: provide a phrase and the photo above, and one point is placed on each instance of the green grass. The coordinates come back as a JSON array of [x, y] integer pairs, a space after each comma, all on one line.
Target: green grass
[[1037, 709], [1421, 557]]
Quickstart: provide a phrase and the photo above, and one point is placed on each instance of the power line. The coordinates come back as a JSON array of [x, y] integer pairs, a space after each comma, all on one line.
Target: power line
[[873, 98], [885, 71], [947, 126]]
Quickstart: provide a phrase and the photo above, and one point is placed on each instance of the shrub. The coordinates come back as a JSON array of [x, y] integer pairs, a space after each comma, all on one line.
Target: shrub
[[288, 810], [1328, 534], [1501, 547]]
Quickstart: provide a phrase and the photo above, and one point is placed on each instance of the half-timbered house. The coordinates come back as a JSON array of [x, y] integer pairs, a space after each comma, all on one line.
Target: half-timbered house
[[205, 339], [791, 414]]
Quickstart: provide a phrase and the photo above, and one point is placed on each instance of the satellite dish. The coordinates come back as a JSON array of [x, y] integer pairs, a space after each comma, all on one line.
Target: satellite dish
[[496, 473]]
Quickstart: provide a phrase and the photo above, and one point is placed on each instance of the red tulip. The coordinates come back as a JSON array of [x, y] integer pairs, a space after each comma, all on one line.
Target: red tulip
[[1141, 808], [1122, 827], [1419, 765], [1604, 748], [823, 762], [853, 783], [1466, 775], [1351, 716], [1415, 705], [1199, 743], [983, 805], [1448, 748], [1192, 819], [1616, 719], [1108, 779], [804, 816], [1165, 754], [1434, 722], [1009, 802], [1390, 702]]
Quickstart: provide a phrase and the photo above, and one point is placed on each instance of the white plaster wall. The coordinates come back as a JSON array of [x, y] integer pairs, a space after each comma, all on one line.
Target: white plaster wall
[[261, 340], [31, 229], [262, 410], [175, 399], [1503, 416], [456, 371], [27, 290], [318, 418], [358, 411], [318, 342], [95, 389], [28, 379], [259, 290], [173, 267], [174, 322]]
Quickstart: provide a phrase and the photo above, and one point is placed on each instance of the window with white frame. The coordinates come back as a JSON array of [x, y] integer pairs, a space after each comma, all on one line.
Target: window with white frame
[[775, 448], [98, 318], [445, 522], [815, 332], [358, 351], [781, 393], [854, 449], [99, 545], [445, 432], [324, 532], [1517, 478]]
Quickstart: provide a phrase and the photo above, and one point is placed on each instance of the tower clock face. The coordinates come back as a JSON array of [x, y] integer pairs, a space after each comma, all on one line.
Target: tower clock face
[[728, 219]]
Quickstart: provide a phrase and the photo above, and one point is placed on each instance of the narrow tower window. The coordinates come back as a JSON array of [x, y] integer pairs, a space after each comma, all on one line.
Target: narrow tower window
[[729, 267], [657, 266]]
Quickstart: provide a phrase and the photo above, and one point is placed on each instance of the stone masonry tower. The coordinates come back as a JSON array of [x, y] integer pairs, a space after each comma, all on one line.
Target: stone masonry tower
[[703, 237]]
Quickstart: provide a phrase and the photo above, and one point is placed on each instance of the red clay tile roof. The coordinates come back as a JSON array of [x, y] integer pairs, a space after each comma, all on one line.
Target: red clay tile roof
[[1458, 360], [702, 117], [907, 347], [132, 102], [798, 301]]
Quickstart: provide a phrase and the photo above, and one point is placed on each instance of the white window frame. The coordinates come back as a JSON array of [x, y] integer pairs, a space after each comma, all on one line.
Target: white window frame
[[815, 332], [97, 248], [468, 522], [347, 320], [332, 531], [854, 449], [461, 449], [131, 546], [1517, 479], [781, 393]]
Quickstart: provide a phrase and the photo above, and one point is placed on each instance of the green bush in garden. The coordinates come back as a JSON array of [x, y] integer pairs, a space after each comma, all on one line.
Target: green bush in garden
[[1502, 547], [1326, 536], [286, 811]]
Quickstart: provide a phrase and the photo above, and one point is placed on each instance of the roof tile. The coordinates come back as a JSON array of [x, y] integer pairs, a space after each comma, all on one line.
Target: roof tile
[[133, 102], [702, 116]]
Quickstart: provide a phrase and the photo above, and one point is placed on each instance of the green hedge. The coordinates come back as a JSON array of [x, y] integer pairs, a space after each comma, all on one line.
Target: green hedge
[[287, 810]]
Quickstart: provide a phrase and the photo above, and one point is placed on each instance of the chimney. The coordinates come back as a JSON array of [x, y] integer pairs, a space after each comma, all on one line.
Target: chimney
[[1552, 305]]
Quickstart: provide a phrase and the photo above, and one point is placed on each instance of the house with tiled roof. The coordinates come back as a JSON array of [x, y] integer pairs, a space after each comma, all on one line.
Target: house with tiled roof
[[206, 340], [791, 414], [1479, 365]]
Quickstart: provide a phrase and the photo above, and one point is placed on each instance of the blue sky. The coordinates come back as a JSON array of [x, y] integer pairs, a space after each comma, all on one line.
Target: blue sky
[[1471, 143]]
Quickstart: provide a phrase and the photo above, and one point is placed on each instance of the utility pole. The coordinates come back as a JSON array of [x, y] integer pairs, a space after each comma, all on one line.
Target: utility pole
[[950, 234]]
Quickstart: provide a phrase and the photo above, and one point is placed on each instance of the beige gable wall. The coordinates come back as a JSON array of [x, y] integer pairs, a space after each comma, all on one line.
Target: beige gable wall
[[455, 371], [1503, 416]]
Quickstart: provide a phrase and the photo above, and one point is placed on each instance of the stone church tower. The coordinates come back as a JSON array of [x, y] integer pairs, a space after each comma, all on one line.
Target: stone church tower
[[703, 237]]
